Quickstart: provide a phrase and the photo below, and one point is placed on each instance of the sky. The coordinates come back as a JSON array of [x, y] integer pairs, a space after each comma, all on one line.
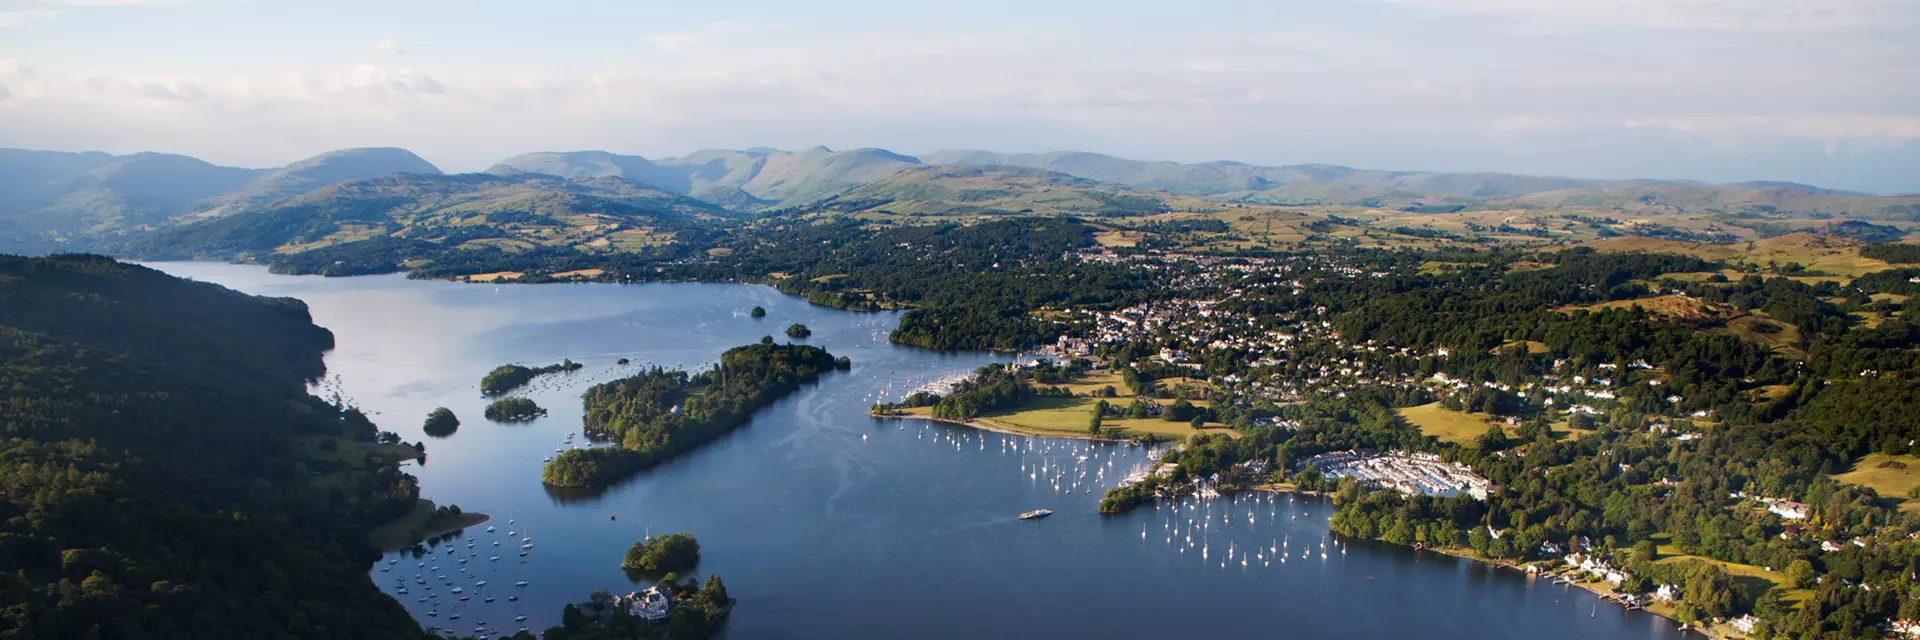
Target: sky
[[1825, 92]]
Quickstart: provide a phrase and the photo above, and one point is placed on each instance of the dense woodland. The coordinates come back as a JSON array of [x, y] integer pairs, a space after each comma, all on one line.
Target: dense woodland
[[658, 414], [158, 481]]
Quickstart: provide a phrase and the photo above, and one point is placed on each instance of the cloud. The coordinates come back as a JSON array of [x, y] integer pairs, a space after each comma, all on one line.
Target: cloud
[[22, 16], [1798, 15], [1386, 94], [108, 3], [387, 47]]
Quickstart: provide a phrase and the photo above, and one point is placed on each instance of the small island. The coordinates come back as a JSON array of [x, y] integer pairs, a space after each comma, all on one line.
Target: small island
[[441, 423], [758, 312], [798, 331], [670, 608], [507, 377], [659, 413], [660, 554], [514, 409]]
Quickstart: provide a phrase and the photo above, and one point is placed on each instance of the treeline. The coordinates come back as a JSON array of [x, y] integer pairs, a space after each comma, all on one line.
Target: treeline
[[658, 414], [157, 486], [1894, 252]]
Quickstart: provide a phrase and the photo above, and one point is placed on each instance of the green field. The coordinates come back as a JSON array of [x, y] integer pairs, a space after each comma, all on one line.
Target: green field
[[1464, 428], [1069, 416], [1893, 477], [1446, 424], [1756, 578]]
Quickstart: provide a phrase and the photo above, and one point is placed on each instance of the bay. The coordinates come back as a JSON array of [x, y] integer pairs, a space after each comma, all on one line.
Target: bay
[[826, 523]]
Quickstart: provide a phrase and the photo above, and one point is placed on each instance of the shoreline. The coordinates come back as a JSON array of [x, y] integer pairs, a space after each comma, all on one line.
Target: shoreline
[[395, 535], [1006, 430], [1465, 553]]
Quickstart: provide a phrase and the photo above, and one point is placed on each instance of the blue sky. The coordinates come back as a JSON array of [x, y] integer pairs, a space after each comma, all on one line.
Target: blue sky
[[1723, 90]]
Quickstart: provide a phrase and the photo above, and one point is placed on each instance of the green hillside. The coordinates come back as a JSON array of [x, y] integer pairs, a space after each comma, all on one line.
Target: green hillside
[[61, 201], [319, 171], [412, 216], [159, 478]]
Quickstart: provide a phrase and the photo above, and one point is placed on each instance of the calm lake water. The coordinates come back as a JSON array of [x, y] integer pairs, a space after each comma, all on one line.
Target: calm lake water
[[826, 523]]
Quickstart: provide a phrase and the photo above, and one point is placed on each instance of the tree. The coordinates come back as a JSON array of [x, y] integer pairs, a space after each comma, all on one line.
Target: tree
[[1644, 553], [671, 552], [798, 331], [1494, 439], [1799, 574], [758, 312], [1099, 414], [715, 591], [1181, 411], [441, 423]]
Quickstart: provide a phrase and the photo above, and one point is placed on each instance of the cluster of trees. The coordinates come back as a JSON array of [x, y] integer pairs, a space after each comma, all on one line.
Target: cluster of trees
[[671, 552], [696, 614], [798, 331], [514, 409], [440, 423], [157, 482], [507, 377], [657, 414], [995, 387]]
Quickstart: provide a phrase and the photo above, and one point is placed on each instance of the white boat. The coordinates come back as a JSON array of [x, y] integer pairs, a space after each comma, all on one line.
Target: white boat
[[521, 583]]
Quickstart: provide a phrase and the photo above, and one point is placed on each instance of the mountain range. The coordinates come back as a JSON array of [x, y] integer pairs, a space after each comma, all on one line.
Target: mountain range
[[57, 201]]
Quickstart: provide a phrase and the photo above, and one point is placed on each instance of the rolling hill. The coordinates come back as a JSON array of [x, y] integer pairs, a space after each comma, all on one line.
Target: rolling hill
[[1225, 178], [54, 201], [746, 180], [447, 211], [992, 190], [319, 171], [74, 201]]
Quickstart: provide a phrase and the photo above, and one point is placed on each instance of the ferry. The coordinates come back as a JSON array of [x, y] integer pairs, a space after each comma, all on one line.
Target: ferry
[[1035, 514]]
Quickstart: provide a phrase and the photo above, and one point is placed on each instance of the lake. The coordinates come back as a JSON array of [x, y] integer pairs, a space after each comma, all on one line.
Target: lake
[[826, 523]]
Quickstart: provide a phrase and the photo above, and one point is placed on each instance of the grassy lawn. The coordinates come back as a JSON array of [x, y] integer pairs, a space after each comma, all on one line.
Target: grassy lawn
[[1892, 476], [1094, 381], [1756, 578], [399, 533], [1448, 425], [1465, 428], [1069, 416], [1531, 346]]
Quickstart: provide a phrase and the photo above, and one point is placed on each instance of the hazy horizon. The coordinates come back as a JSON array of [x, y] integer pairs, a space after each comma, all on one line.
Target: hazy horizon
[[921, 155], [1719, 91]]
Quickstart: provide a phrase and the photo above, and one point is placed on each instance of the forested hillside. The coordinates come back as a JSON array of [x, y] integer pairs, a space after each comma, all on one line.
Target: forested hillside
[[159, 480]]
